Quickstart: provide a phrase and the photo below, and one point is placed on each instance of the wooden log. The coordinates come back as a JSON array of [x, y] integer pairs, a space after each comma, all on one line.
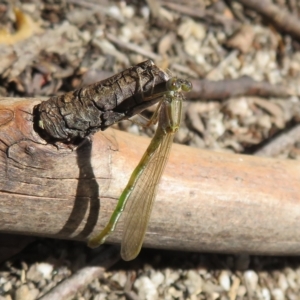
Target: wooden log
[[207, 201]]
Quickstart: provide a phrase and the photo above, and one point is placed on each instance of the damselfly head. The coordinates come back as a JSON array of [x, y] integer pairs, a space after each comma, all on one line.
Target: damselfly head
[[176, 85]]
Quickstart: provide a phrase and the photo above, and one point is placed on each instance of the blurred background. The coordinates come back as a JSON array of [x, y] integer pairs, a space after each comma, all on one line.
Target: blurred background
[[244, 61]]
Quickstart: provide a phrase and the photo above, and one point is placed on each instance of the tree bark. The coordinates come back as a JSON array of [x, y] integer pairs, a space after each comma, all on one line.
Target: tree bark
[[207, 201]]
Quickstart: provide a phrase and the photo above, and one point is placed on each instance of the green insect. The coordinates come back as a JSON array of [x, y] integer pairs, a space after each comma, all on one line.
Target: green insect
[[139, 194]]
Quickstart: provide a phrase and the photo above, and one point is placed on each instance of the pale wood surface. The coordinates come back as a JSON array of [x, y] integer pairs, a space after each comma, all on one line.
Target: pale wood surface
[[207, 201]]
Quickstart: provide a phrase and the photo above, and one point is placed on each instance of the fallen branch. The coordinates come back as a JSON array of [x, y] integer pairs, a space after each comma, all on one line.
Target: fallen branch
[[207, 201], [211, 14], [243, 86], [78, 281], [280, 143], [280, 18]]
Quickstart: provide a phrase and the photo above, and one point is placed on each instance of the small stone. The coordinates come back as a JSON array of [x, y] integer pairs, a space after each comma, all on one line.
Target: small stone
[[176, 294], [216, 125], [115, 12], [7, 287], [33, 274], [210, 288], [239, 107], [193, 282], [3, 279], [282, 282], [34, 293], [23, 293], [6, 297], [277, 294], [128, 12], [146, 289], [102, 296], [189, 28], [291, 278], [171, 277], [234, 287], [192, 46], [145, 12], [157, 278], [45, 269], [251, 279], [264, 121], [224, 280], [241, 292], [242, 39], [120, 277], [41, 284], [95, 285], [265, 294]]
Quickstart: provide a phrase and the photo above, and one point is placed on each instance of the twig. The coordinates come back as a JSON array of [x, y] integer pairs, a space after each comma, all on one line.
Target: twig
[[99, 8], [198, 13], [223, 89], [280, 143], [154, 6], [132, 47], [281, 19], [136, 48], [71, 286]]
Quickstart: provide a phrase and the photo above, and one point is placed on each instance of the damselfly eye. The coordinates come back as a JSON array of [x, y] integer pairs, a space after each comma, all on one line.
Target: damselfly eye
[[174, 84], [186, 86]]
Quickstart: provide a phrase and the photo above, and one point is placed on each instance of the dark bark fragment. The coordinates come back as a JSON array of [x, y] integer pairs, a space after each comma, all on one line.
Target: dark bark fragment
[[84, 111]]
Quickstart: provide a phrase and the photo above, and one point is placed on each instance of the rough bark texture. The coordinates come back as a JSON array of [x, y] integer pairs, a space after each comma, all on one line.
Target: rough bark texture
[[206, 201], [82, 112]]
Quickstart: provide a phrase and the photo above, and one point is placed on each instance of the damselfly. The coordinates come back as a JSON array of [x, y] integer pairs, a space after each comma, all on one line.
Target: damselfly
[[140, 192]]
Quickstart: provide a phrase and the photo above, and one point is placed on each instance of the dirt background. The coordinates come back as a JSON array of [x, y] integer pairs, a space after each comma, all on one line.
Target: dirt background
[[51, 47]]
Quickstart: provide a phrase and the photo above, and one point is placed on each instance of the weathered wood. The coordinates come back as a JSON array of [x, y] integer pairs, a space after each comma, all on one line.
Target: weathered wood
[[207, 201]]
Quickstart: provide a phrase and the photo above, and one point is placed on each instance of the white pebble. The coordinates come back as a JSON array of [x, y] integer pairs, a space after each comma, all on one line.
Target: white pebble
[[224, 280], [252, 279], [192, 46], [128, 12], [291, 278], [216, 125], [262, 59], [45, 269], [101, 296], [239, 107], [241, 292], [171, 277], [145, 12], [282, 282], [120, 278], [278, 294], [114, 12], [157, 278], [265, 293], [189, 28], [177, 294], [2, 280], [193, 282], [7, 287], [146, 289]]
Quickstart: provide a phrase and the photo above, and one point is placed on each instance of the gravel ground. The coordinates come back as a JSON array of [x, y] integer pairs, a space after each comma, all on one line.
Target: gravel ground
[[52, 47]]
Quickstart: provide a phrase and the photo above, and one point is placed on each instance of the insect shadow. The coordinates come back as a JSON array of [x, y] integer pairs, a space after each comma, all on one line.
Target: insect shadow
[[87, 196]]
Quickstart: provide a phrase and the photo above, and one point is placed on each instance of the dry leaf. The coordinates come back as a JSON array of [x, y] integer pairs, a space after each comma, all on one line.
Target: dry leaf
[[242, 40], [26, 27], [166, 43]]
